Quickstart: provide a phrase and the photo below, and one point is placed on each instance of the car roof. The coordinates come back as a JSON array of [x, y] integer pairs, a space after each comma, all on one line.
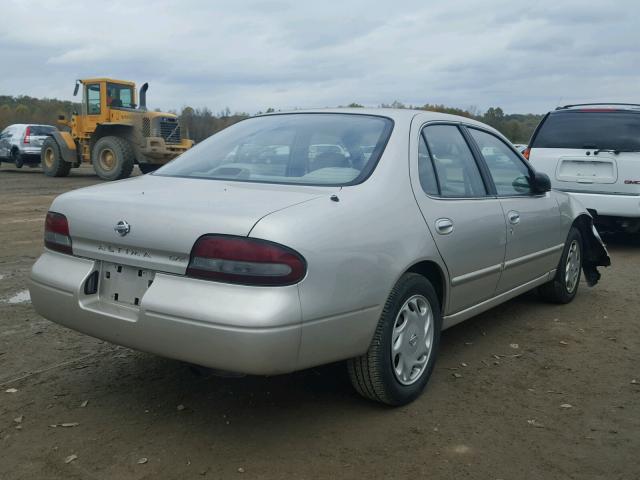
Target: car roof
[[29, 125], [396, 114], [599, 107]]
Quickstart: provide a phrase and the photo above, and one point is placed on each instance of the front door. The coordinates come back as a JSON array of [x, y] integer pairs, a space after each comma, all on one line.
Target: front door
[[467, 225], [92, 106], [534, 242]]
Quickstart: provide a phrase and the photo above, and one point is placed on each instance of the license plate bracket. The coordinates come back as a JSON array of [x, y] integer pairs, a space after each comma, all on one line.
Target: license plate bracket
[[124, 283], [586, 170]]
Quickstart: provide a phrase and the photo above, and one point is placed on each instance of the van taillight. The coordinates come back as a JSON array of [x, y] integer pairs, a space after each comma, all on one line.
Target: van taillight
[[56, 233], [526, 152], [246, 261], [27, 135]]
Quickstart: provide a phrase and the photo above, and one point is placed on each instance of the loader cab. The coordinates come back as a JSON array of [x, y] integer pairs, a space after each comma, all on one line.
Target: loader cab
[[105, 100]]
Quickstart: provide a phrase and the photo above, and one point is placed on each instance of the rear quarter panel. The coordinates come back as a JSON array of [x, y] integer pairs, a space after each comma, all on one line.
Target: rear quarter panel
[[356, 250]]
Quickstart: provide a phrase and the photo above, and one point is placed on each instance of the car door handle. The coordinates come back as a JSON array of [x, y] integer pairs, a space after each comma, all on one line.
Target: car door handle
[[444, 226], [514, 217]]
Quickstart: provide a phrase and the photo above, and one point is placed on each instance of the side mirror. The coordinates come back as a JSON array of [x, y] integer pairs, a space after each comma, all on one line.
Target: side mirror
[[541, 182], [521, 185], [75, 90]]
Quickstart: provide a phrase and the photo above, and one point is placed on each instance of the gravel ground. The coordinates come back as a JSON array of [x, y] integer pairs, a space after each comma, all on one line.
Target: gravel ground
[[527, 390]]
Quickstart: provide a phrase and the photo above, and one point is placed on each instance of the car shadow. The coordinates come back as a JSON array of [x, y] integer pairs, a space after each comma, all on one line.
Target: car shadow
[[147, 382]]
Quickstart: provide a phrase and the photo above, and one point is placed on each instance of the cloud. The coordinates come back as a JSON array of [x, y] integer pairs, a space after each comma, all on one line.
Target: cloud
[[521, 55]]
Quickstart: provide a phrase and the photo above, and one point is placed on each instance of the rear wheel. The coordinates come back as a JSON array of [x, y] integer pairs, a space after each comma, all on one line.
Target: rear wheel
[[402, 354], [16, 157], [113, 158], [148, 167], [51, 161], [564, 287]]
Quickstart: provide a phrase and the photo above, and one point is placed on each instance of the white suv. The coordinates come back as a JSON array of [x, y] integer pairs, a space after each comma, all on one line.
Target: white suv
[[593, 152], [21, 143]]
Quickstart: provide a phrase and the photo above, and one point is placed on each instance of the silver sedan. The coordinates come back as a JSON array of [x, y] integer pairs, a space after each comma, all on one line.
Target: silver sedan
[[293, 240]]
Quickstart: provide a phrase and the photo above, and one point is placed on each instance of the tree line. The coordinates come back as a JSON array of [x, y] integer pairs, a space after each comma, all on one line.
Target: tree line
[[199, 123]]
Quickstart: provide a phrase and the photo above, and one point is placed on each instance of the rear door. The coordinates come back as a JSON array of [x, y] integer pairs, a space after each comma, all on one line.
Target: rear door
[[465, 221], [534, 234], [589, 150]]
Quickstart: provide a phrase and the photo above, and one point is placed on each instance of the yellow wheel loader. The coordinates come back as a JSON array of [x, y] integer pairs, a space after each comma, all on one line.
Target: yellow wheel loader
[[113, 133]]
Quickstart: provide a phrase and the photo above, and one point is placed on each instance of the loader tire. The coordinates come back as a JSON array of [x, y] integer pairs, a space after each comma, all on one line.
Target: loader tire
[[113, 158], [148, 167], [51, 161]]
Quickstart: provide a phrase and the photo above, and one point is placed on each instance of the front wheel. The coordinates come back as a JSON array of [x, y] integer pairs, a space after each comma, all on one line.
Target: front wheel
[[564, 286], [396, 368], [51, 161], [148, 167], [113, 158]]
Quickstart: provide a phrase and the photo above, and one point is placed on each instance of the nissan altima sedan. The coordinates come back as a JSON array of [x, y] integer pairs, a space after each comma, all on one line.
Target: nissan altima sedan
[[258, 252]]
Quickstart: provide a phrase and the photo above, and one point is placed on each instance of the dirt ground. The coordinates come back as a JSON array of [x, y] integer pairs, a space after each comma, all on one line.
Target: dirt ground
[[543, 392]]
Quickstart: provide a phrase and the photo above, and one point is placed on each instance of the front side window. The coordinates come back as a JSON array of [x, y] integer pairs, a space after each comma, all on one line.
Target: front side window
[[119, 95], [93, 99], [311, 149], [510, 174], [457, 171]]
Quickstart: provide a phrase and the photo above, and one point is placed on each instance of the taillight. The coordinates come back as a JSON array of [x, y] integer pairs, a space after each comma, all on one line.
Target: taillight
[[247, 261], [27, 135], [56, 233], [526, 152]]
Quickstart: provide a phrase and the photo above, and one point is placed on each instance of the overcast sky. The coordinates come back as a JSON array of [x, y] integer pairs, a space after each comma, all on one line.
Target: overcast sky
[[525, 56]]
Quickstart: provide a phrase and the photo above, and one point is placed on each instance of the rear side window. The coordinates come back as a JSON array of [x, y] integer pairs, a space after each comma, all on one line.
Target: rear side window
[[425, 170], [457, 171], [579, 129], [41, 130]]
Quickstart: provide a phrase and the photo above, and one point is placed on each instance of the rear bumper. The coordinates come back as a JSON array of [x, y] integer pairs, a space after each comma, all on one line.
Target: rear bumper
[[228, 327], [31, 151], [610, 205]]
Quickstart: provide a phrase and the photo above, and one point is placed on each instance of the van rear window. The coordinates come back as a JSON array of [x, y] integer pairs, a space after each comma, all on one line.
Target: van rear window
[[603, 130]]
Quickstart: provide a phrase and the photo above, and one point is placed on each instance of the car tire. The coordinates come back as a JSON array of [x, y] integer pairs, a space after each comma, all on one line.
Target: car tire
[[148, 167], [51, 161], [379, 374], [564, 286], [113, 158], [16, 157]]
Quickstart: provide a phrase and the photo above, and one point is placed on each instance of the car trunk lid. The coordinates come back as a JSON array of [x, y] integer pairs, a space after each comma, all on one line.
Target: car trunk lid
[[165, 216]]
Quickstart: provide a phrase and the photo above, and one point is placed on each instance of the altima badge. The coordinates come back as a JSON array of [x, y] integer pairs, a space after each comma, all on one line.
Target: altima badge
[[122, 227]]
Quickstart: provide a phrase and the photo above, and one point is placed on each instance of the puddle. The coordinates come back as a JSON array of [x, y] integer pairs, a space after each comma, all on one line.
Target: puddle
[[20, 297]]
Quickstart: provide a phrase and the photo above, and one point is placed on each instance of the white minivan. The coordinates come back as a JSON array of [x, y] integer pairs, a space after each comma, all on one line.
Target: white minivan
[[593, 152]]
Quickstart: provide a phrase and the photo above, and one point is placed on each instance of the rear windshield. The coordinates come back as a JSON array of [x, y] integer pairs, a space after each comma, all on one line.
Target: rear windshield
[[41, 129], [604, 130], [306, 148]]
